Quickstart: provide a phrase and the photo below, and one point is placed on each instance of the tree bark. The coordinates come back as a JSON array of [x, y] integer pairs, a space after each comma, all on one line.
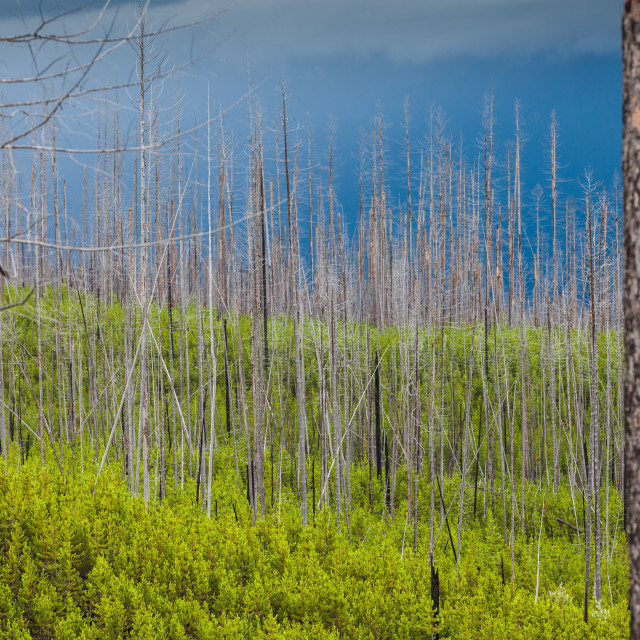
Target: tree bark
[[631, 297]]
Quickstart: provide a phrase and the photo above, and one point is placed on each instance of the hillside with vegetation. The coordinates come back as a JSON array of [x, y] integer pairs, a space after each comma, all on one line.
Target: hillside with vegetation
[[231, 409], [218, 432], [208, 556]]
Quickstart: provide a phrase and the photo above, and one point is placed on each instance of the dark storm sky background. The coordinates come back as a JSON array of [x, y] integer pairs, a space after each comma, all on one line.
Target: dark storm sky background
[[349, 60]]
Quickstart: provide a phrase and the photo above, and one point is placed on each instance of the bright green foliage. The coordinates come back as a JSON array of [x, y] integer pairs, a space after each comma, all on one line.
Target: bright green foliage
[[79, 563], [81, 557]]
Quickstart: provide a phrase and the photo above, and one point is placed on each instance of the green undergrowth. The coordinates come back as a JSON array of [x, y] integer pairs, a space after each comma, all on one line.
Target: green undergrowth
[[92, 333], [85, 559], [80, 557]]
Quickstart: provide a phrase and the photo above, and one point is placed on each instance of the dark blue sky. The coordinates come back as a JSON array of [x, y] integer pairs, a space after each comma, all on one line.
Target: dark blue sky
[[352, 59], [349, 60]]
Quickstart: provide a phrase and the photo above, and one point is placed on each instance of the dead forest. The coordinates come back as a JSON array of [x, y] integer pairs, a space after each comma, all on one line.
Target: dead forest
[[200, 342], [223, 298]]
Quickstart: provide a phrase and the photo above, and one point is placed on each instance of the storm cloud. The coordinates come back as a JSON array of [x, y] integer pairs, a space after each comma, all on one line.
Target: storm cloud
[[414, 31]]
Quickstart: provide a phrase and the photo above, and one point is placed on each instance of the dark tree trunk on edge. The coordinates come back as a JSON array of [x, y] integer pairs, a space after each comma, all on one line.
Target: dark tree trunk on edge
[[631, 302]]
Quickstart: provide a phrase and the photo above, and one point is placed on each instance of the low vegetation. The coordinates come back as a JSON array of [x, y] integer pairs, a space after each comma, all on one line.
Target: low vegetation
[[241, 411]]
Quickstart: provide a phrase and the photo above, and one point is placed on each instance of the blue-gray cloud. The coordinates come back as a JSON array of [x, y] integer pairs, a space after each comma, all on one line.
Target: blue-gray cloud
[[414, 30]]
